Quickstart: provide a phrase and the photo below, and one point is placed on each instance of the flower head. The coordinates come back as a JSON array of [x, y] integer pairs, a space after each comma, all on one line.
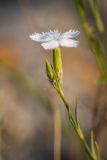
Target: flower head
[[55, 39]]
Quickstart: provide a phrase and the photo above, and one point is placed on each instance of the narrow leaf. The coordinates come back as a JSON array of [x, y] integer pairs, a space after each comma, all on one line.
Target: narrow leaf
[[97, 150], [93, 145], [76, 110]]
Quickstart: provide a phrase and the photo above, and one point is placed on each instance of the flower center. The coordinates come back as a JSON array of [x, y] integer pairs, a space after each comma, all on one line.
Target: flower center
[[56, 36]]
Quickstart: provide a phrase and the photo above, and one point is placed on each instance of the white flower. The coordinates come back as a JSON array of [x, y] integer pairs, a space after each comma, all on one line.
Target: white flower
[[55, 39]]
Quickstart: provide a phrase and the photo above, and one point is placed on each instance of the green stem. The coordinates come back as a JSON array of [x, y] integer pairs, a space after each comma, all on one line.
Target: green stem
[[99, 24], [57, 133], [97, 16], [72, 117], [74, 124], [94, 41]]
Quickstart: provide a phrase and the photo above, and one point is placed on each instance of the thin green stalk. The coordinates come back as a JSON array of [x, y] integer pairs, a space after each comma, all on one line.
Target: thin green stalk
[[99, 24], [1, 139], [97, 16], [94, 41], [54, 79], [57, 133], [75, 125]]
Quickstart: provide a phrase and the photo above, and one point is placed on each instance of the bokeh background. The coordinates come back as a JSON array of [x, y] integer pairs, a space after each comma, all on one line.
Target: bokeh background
[[27, 101]]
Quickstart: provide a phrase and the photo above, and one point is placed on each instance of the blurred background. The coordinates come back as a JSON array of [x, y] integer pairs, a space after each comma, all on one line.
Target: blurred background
[[27, 101]]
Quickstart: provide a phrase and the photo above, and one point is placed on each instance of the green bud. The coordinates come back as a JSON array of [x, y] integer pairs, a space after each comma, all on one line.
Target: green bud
[[57, 63], [49, 70]]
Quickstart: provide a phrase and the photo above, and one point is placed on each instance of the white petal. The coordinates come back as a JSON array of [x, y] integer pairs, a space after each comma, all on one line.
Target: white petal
[[69, 34], [44, 37], [50, 44], [68, 43]]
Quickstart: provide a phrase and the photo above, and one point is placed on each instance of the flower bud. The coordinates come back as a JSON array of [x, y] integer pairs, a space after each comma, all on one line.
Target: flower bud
[[49, 70]]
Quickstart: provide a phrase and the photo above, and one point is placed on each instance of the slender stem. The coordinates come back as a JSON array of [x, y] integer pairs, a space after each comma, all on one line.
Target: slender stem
[[57, 134], [1, 139], [94, 41], [99, 24], [74, 124], [97, 16], [72, 117]]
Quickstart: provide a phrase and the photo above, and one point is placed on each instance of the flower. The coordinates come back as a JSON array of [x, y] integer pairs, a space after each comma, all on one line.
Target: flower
[[55, 39]]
